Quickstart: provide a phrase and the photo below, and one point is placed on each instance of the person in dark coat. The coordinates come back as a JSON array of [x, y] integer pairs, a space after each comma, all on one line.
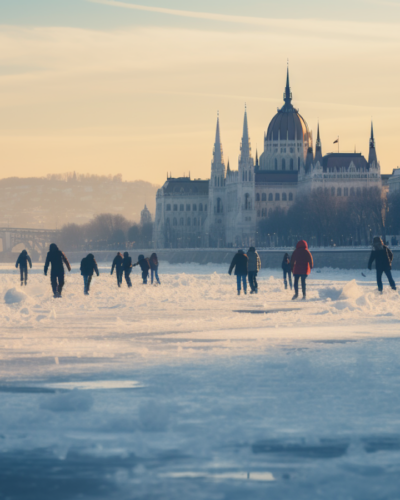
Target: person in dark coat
[[383, 257], [144, 264], [154, 267], [240, 263], [254, 265], [23, 261], [287, 271], [118, 266], [88, 267], [301, 263], [57, 259], [127, 266]]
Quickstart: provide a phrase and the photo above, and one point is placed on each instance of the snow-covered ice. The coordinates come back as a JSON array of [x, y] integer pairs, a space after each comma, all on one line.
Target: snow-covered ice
[[186, 390]]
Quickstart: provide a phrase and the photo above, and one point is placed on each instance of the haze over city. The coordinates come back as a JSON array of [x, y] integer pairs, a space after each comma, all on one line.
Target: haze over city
[[112, 87]]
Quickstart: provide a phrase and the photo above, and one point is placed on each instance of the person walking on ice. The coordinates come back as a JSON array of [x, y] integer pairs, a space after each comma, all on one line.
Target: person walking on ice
[[88, 267], [57, 259], [154, 268], [287, 271], [383, 257], [23, 261], [240, 263], [301, 263], [127, 266], [144, 264], [118, 266], [254, 265]]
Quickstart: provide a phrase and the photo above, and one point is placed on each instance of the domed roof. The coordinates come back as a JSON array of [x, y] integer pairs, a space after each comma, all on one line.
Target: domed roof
[[287, 123]]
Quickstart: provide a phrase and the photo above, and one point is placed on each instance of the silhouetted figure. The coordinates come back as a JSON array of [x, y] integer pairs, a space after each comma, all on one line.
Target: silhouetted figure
[[118, 266], [23, 261], [88, 268], [240, 263], [383, 257], [127, 266], [301, 263], [144, 264], [287, 271], [154, 267], [57, 259], [254, 265]]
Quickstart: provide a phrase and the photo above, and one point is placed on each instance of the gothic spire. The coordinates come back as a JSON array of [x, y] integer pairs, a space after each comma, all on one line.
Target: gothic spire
[[372, 158], [318, 148], [287, 96], [218, 156], [372, 140], [245, 149]]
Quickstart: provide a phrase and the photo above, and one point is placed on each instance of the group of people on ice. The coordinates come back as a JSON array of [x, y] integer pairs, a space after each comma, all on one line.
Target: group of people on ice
[[300, 264], [56, 260], [246, 267]]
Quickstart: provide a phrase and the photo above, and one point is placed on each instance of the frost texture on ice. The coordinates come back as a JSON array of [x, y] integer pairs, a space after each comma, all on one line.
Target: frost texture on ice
[[70, 401], [14, 296]]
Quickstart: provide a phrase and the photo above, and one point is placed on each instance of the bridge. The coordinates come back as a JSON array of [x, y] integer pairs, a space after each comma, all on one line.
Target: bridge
[[36, 241]]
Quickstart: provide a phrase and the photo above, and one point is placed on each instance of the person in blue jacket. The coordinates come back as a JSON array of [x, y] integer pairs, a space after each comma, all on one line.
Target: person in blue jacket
[[23, 261]]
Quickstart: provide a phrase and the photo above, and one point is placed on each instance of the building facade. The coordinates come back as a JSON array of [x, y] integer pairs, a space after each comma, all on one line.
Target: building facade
[[224, 211]]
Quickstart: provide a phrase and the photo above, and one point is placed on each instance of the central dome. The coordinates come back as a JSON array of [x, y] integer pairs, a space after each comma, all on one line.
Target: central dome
[[287, 124]]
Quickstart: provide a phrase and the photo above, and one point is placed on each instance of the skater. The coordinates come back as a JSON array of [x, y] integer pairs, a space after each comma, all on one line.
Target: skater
[[383, 257], [23, 261], [144, 264], [254, 265], [118, 265], [127, 266], [88, 267], [240, 263], [154, 267], [301, 264], [287, 271], [57, 259]]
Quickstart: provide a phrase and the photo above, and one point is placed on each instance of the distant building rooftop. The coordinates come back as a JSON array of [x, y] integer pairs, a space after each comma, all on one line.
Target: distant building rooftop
[[277, 176], [184, 185]]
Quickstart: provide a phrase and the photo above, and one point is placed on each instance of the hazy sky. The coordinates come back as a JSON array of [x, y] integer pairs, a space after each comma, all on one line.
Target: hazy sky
[[97, 87]]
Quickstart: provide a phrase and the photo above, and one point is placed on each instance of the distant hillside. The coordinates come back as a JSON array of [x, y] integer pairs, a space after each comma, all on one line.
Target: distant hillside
[[55, 200]]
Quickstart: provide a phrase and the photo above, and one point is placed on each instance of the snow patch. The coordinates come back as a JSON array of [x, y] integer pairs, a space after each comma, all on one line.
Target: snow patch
[[14, 296]]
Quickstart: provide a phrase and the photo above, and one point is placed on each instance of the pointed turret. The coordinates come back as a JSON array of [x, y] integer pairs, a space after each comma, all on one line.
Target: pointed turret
[[245, 149], [309, 159], [228, 168], [257, 166], [318, 148], [218, 156], [372, 158]]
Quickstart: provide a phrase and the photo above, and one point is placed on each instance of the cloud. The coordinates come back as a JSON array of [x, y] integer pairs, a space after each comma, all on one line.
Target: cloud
[[316, 27]]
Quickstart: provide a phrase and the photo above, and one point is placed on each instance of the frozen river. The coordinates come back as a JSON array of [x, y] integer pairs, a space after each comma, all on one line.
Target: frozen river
[[187, 391]]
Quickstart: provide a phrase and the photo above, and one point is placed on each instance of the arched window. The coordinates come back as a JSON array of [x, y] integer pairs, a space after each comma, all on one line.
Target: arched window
[[283, 164], [270, 197], [284, 197], [276, 164], [339, 192], [332, 191], [181, 207], [175, 208], [174, 222], [290, 196], [181, 222], [194, 207], [264, 197], [188, 221], [257, 196], [200, 207], [277, 197], [168, 208], [187, 207], [247, 202], [291, 164], [219, 206], [345, 191]]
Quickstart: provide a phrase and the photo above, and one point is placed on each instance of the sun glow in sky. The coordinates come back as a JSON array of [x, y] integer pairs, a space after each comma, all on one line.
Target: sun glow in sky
[[115, 87]]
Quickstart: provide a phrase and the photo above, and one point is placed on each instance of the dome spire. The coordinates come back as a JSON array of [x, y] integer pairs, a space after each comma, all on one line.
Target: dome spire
[[287, 96]]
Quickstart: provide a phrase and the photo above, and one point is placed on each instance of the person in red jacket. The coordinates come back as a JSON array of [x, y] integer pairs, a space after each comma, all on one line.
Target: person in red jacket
[[301, 263]]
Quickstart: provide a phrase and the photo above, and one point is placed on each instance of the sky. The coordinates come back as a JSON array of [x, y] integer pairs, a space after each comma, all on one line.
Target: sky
[[108, 86]]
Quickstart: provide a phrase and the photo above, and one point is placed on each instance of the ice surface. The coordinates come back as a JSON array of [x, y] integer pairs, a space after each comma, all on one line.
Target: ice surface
[[186, 390]]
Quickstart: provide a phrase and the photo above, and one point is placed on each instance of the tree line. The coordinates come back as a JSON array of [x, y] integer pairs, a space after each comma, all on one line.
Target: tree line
[[106, 232], [325, 220]]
